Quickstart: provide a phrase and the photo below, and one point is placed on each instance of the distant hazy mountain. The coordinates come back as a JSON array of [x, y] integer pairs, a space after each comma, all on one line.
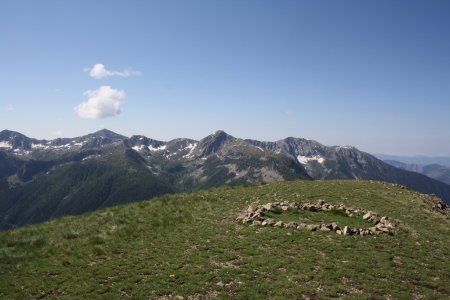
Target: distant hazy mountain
[[435, 171], [418, 160], [41, 179]]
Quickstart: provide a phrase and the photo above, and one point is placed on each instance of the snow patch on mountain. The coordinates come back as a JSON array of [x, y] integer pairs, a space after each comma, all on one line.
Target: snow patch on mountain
[[38, 146], [48, 146], [191, 148], [306, 159], [138, 148], [4, 144], [151, 148], [91, 156]]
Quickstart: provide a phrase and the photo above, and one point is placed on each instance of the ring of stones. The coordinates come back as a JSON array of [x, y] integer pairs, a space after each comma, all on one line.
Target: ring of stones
[[255, 216]]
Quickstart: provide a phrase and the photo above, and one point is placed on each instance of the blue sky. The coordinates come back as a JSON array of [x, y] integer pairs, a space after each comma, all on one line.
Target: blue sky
[[373, 74]]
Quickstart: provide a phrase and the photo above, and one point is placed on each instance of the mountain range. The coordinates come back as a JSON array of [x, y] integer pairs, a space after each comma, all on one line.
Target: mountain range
[[417, 160], [435, 171], [44, 179]]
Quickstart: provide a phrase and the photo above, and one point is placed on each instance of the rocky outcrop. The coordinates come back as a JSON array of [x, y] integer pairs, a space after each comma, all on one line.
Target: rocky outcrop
[[255, 215]]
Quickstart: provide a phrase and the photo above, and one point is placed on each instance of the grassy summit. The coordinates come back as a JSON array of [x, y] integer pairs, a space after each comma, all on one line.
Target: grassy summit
[[190, 245]]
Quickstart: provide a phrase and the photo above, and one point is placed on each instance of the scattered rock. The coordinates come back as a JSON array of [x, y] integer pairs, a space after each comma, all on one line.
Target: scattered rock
[[347, 231], [324, 228], [247, 221], [367, 216], [271, 222], [278, 224], [312, 227], [252, 207], [284, 207], [334, 226], [268, 206], [241, 216], [291, 225], [302, 226]]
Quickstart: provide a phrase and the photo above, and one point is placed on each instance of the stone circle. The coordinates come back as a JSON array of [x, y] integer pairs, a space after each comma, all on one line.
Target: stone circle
[[255, 215]]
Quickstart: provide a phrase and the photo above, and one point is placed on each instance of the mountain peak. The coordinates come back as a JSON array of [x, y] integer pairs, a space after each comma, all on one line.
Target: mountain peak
[[11, 134], [14, 140], [221, 134], [214, 142], [102, 137], [106, 133]]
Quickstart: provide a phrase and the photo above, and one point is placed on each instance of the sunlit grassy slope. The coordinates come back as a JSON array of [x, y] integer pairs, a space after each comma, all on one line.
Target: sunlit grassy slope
[[189, 245]]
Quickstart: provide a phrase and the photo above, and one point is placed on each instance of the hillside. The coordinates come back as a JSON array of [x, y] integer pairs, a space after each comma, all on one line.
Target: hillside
[[77, 187], [190, 246], [435, 171], [41, 179]]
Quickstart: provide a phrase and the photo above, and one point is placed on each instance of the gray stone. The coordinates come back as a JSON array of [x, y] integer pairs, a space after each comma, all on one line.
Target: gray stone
[[278, 224], [241, 216], [268, 206], [367, 215], [335, 226], [312, 227], [375, 220], [325, 229], [247, 221], [252, 207], [347, 230], [301, 226], [221, 284], [291, 225], [271, 222]]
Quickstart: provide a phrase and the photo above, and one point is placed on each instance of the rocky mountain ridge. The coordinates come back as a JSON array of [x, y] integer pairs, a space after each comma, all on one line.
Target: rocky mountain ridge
[[37, 176]]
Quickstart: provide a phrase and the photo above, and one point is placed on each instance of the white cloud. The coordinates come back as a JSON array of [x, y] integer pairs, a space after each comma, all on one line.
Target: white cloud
[[10, 107], [59, 132], [98, 71], [100, 103]]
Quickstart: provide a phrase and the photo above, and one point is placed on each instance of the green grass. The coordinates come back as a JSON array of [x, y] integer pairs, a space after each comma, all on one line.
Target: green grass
[[184, 245]]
